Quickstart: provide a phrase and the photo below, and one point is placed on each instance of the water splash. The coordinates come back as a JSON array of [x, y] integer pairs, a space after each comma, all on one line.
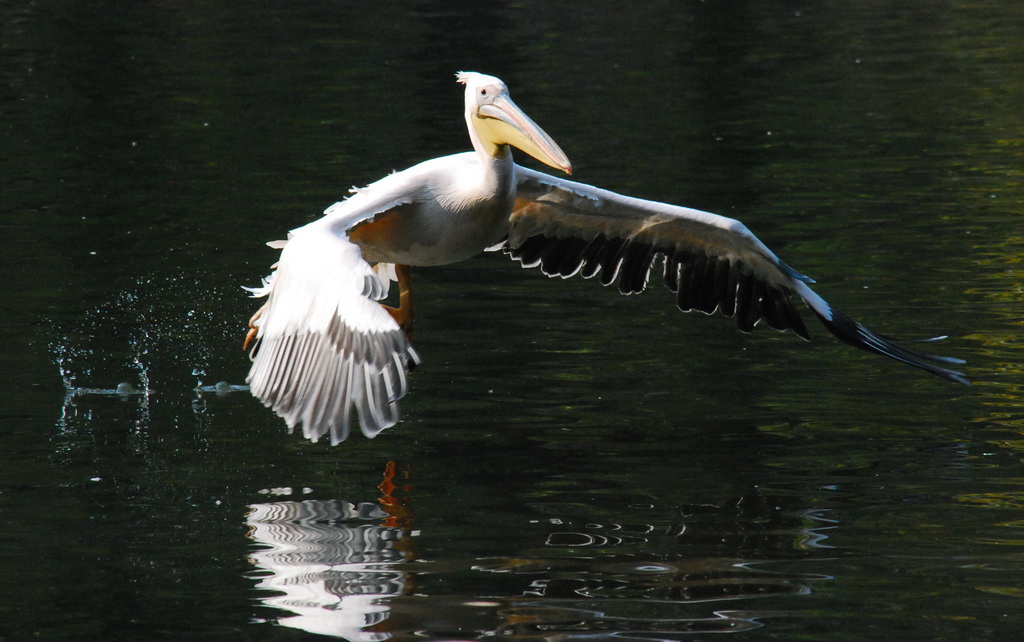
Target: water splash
[[167, 333], [220, 389]]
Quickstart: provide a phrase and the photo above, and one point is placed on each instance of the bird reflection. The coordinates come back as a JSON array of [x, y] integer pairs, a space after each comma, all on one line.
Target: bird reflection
[[350, 570], [333, 560], [331, 563]]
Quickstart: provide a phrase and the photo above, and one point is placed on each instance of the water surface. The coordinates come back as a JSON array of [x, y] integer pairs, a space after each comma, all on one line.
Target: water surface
[[571, 464]]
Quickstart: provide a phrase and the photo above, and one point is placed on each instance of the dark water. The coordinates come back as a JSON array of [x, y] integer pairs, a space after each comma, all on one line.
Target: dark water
[[572, 464]]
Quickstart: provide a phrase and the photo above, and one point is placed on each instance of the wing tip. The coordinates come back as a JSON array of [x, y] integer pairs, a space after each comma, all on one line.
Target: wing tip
[[853, 333]]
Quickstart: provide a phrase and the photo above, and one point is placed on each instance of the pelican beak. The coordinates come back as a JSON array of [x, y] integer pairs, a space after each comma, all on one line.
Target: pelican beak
[[504, 123]]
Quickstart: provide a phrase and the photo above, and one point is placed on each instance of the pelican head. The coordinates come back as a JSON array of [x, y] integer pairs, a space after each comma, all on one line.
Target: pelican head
[[495, 122]]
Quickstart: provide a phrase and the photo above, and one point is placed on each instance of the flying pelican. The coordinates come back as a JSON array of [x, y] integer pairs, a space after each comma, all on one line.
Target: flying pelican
[[324, 346]]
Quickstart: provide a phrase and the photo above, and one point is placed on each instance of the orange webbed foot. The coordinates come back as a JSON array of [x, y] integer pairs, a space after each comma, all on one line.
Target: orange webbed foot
[[253, 328]]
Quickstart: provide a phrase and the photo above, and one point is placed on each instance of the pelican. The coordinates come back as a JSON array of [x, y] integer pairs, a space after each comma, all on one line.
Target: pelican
[[324, 347]]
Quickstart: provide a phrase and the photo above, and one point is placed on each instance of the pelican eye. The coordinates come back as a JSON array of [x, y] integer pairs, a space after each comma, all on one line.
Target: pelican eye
[[483, 92]]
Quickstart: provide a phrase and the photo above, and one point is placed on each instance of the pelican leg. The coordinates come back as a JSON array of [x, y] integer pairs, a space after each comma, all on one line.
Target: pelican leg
[[253, 329], [404, 313]]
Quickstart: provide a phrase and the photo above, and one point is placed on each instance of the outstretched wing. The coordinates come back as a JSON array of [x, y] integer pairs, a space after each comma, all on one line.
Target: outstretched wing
[[711, 262], [325, 346]]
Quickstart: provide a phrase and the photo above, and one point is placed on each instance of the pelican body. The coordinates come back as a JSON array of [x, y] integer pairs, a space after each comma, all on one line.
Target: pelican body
[[326, 348]]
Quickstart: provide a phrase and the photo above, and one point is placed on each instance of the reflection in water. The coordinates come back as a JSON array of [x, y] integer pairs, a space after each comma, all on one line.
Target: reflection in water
[[334, 569], [346, 569]]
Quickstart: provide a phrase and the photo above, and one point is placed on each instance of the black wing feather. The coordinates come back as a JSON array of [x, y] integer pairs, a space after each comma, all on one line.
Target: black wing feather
[[711, 263]]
